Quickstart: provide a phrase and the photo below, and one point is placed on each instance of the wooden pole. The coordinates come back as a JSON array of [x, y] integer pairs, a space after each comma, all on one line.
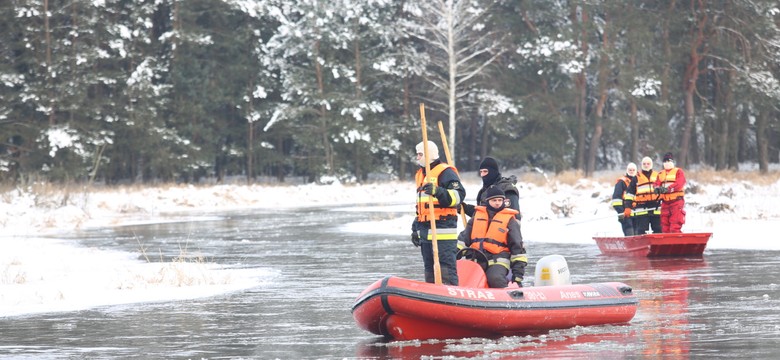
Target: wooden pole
[[451, 162], [431, 214]]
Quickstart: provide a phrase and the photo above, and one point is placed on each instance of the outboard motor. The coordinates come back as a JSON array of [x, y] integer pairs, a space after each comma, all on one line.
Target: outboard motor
[[552, 270]]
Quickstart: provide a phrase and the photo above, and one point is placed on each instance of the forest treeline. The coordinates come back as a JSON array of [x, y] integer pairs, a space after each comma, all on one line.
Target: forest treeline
[[134, 91]]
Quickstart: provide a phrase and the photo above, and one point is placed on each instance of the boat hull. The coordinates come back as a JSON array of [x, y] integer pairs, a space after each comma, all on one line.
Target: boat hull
[[406, 309], [655, 245]]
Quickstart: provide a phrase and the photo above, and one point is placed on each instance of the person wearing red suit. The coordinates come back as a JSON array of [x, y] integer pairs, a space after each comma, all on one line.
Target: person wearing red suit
[[670, 185]]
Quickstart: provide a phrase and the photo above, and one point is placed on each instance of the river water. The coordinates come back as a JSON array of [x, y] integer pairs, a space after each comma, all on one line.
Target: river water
[[723, 305]]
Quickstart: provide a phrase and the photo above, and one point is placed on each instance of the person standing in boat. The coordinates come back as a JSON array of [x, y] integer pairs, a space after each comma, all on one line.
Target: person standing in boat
[[647, 204], [488, 171], [443, 184], [622, 198], [495, 231], [670, 185]]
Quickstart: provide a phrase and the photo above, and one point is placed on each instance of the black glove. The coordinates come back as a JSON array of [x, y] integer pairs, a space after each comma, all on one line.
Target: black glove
[[468, 209], [431, 189], [657, 190], [416, 239], [663, 190], [518, 280]]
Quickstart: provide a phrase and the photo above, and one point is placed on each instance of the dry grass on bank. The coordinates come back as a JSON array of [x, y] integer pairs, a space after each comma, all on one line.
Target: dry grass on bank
[[703, 176], [709, 176], [57, 192]]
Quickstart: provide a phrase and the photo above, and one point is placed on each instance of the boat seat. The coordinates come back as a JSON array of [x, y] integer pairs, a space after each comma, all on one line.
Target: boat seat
[[470, 274]]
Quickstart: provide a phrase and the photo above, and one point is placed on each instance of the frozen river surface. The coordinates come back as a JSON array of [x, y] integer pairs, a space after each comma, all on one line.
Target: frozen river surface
[[724, 305]]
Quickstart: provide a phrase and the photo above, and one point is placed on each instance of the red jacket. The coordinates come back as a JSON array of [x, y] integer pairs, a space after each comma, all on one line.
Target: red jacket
[[674, 180]]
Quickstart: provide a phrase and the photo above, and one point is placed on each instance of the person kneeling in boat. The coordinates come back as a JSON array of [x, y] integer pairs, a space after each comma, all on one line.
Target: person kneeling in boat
[[494, 231]]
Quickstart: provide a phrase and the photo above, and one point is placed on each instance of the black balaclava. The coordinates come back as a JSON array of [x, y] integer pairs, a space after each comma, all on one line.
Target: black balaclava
[[491, 165]]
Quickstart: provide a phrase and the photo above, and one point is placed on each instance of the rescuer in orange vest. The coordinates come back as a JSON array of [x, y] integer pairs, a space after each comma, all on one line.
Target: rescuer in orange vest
[[443, 184], [622, 198], [495, 231], [647, 203], [670, 185]]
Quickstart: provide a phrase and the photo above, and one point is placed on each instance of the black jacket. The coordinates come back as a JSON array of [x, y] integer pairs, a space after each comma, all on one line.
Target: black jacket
[[507, 185]]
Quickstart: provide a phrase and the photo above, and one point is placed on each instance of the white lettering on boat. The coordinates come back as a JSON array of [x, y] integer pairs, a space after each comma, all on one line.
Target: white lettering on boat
[[590, 294], [570, 295], [533, 295], [617, 245], [471, 294]]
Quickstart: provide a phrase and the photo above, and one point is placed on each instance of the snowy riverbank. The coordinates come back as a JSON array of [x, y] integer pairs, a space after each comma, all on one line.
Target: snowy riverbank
[[39, 272]]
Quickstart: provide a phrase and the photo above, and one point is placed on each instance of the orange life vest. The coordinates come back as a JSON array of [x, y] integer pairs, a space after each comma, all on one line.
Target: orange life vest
[[626, 195], [668, 178], [644, 187], [491, 235], [423, 203]]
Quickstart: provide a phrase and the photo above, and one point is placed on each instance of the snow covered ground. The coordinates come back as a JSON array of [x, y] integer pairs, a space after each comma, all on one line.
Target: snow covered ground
[[44, 274]]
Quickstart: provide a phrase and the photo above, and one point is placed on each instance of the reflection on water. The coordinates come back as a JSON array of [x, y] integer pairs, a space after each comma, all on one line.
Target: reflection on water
[[722, 305], [667, 333], [605, 342]]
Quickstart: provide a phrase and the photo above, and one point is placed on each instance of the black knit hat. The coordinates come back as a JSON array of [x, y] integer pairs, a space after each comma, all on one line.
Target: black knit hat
[[494, 192], [668, 156], [490, 164]]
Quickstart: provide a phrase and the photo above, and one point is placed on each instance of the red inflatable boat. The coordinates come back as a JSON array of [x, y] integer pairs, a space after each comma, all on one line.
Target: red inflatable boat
[[651, 245], [405, 309]]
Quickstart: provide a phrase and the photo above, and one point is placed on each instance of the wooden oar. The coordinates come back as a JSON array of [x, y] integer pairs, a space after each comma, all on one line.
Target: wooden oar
[[451, 162], [431, 214]]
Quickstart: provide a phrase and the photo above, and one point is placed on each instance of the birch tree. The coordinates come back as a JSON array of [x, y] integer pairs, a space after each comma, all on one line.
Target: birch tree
[[460, 46]]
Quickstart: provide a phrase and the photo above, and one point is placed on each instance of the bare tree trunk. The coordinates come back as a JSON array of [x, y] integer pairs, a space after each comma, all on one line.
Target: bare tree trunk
[[323, 111], [743, 126], [727, 145], [633, 152], [452, 61], [483, 151], [761, 139], [581, 87], [358, 63], [734, 131], [660, 130], [632, 116], [402, 153], [250, 146], [49, 64], [280, 173], [603, 79], [178, 28], [472, 149], [691, 77], [690, 114], [358, 95], [175, 40], [250, 170]]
